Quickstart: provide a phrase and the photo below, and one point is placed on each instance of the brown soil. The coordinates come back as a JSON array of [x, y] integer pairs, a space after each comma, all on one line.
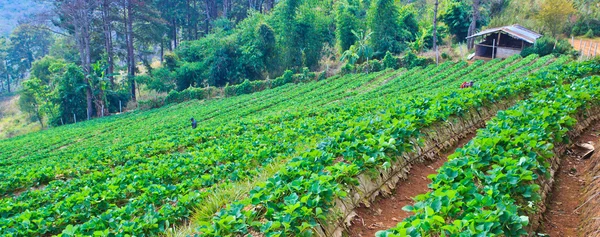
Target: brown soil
[[562, 218], [385, 213]]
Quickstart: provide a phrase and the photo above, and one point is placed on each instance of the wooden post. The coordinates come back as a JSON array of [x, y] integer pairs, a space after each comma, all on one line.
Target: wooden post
[[595, 50], [494, 49], [522, 44], [74, 118], [498, 42], [590, 52], [120, 107], [581, 50]]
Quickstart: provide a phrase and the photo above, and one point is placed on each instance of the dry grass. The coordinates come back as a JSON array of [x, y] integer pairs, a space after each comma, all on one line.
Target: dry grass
[[588, 45], [220, 197], [12, 121]]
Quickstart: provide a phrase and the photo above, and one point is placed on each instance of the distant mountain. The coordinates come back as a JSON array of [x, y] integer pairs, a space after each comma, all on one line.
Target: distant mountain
[[11, 11]]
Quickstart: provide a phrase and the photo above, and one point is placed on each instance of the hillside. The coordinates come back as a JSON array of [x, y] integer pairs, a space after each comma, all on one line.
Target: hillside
[[12, 11], [110, 174]]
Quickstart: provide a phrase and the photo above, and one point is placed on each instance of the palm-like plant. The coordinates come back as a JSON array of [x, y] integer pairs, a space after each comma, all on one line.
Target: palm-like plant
[[361, 51]]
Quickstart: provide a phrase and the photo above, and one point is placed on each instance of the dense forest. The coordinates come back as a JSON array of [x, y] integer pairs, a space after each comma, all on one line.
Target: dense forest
[[81, 59]]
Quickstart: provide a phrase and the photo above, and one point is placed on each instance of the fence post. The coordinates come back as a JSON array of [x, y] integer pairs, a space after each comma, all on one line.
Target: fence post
[[88, 114], [102, 110], [581, 50], [120, 107], [595, 50], [590, 52], [74, 118]]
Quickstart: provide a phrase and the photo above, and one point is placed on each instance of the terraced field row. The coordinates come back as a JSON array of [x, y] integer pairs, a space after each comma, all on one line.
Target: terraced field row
[[140, 173]]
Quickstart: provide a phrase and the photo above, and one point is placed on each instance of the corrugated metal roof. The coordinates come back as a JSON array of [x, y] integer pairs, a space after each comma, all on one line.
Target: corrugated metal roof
[[516, 31]]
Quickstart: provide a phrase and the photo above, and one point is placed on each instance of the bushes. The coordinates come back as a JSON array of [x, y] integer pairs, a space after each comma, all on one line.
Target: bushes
[[411, 60], [588, 27], [547, 45], [389, 61], [246, 87]]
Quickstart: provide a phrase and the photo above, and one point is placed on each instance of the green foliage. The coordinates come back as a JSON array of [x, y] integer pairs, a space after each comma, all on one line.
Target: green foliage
[[583, 26], [484, 179], [361, 51], [301, 195], [457, 17], [547, 45], [411, 60], [347, 21], [392, 28], [390, 61], [32, 99], [590, 34]]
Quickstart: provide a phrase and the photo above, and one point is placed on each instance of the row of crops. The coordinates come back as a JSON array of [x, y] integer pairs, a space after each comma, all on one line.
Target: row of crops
[[491, 186], [142, 172], [299, 196]]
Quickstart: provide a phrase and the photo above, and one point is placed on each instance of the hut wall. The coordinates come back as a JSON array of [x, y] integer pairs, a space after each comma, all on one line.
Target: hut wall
[[502, 52]]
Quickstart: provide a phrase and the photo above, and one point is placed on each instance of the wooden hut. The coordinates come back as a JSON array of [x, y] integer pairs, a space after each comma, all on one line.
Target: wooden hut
[[503, 42]]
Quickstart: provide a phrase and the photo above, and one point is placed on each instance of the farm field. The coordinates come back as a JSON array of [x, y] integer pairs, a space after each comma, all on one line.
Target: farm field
[[143, 173]]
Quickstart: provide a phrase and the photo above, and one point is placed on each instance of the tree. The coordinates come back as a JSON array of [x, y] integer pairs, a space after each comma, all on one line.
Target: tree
[[27, 44], [129, 15], [435, 49], [473, 26], [77, 15], [456, 16], [389, 32], [108, 39], [32, 98], [553, 15], [346, 20]]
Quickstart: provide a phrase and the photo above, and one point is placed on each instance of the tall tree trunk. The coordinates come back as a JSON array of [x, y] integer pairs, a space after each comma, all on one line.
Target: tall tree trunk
[[130, 51], [270, 5], [188, 20], [211, 13], [174, 42], [7, 79], [226, 4], [108, 45], [473, 26], [435, 47]]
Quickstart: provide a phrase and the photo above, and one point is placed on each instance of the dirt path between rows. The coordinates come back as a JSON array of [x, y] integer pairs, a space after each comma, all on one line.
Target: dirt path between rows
[[562, 218], [385, 213]]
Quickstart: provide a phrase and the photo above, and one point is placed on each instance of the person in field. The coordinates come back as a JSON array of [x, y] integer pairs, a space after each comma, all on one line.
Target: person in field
[[194, 123]]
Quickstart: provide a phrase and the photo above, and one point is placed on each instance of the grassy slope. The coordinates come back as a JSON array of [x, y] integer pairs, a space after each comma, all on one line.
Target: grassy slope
[[12, 121]]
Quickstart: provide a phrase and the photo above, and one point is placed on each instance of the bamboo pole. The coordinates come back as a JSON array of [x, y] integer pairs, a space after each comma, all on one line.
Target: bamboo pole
[[494, 49]]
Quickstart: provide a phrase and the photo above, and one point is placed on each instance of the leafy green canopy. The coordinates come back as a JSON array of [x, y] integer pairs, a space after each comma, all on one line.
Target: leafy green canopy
[[392, 27]]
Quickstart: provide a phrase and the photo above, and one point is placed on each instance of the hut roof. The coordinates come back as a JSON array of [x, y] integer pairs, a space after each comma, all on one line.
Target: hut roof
[[516, 31]]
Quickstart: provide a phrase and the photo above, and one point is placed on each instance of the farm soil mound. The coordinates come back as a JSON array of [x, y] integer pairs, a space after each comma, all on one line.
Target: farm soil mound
[[385, 213], [573, 207]]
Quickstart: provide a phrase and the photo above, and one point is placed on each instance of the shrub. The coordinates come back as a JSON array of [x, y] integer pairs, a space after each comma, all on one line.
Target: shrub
[[389, 61], [589, 34], [547, 45], [347, 69], [411, 60]]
